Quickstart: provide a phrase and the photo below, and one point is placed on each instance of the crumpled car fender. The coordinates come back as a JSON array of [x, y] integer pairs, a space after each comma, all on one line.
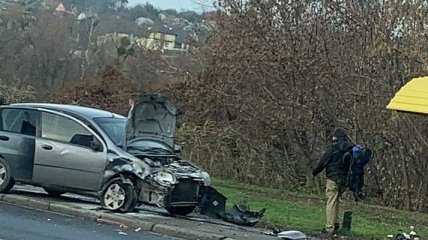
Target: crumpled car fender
[[122, 175], [123, 167]]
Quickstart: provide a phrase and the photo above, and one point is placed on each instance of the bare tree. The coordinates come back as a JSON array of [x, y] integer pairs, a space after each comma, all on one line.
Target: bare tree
[[280, 75]]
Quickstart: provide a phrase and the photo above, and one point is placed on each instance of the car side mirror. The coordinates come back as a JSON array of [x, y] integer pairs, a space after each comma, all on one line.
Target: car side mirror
[[96, 146], [177, 149]]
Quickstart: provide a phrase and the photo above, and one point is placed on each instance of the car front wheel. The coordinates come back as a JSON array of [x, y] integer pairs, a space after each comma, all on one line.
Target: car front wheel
[[118, 196], [6, 180]]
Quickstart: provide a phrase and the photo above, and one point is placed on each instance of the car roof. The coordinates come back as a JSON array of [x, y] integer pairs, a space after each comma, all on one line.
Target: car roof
[[85, 112]]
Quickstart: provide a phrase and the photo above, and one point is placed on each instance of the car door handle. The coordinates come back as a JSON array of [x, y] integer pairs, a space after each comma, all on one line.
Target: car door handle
[[4, 138], [47, 147]]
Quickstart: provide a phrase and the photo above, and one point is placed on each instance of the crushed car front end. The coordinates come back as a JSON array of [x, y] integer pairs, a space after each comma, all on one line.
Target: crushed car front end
[[173, 183]]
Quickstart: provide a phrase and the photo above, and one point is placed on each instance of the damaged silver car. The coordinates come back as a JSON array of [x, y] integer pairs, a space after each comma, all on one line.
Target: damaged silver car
[[124, 162], [173, 183]]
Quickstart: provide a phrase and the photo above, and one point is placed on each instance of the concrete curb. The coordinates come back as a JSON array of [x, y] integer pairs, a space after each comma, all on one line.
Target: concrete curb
[[73, 211], [123, 220], [25, 201]]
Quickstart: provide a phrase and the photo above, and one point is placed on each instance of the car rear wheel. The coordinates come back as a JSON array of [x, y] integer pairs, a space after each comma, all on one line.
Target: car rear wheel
[[119, 196], [6, 180], [183, 211], [53, 193]]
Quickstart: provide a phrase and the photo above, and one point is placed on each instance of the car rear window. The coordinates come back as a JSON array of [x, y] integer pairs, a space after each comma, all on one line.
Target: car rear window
[[19, 121]]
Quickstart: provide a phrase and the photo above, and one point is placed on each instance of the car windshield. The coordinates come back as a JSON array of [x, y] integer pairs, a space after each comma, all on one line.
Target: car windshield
[[114, 128]]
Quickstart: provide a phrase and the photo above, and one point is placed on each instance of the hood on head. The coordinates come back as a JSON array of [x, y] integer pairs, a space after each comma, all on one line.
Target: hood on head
[[339, 133]]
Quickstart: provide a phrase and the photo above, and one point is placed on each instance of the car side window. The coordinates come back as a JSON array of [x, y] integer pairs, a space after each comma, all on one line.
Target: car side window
[[62, 129], [19, 121]]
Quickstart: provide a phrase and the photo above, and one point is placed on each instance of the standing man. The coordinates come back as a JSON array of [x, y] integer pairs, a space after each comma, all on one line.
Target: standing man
[[336, 163]]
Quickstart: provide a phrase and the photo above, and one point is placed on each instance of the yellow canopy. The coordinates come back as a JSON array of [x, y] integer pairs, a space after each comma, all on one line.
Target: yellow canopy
[[412, 97]]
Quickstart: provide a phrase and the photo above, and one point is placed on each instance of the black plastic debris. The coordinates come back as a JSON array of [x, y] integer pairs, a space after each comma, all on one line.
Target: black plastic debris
[[240, 214], [213, 203]]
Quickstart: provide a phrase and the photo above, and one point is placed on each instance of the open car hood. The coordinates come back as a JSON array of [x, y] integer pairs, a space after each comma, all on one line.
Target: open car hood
[[153, 116]]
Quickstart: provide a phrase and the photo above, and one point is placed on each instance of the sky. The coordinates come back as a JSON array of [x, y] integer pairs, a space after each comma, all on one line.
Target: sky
[[196, 5]]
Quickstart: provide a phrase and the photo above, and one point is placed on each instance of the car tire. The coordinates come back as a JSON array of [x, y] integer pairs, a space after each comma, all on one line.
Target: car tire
[[183, 211], [119, 196], [53, 193], [6, 180]]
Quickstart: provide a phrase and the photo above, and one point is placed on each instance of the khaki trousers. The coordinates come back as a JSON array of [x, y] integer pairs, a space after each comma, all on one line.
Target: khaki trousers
[[333, 192]]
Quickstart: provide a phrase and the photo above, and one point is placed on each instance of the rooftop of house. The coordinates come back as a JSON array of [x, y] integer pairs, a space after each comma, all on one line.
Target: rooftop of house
[[163, 29]]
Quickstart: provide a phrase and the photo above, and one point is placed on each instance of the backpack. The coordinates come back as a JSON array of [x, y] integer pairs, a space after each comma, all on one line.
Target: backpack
[[359, 156]]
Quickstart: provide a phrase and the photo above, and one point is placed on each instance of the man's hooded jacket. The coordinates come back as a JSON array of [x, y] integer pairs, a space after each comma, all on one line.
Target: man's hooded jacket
[[333, 159]]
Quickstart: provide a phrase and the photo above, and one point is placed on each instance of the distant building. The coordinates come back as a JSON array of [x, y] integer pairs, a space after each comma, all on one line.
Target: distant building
[[165, 38], [161, 38], [60, 10], [169, 40]]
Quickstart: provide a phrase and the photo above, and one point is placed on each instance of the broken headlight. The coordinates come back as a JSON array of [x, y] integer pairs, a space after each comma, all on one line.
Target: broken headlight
[[164, 178]]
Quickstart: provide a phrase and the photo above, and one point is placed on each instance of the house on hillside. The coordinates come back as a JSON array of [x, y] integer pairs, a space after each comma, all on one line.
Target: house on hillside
[[60, 10], [165, 38], [159, 38], [182, 39]]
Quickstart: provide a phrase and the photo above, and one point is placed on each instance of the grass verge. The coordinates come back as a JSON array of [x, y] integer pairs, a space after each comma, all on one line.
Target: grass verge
[[303, 212]]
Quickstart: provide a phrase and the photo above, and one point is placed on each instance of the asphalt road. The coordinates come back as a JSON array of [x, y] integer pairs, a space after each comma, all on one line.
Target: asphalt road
[[22, 224]]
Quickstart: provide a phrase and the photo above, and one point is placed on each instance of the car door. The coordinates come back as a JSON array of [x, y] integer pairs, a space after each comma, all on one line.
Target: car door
[[18, 128], [64, 156]]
